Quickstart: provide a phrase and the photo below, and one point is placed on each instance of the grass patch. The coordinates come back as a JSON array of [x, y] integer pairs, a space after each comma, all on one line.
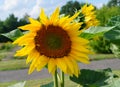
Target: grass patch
[[101, 56], [37, 83], [1, 57], [16, 64], [6, 46], [13, 65]]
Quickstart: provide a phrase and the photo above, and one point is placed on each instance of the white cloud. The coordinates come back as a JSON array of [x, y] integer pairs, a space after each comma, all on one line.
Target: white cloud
[[10, 4], [35, 11], [99, 5], [26, 1], [21, 12], [32, 7], [36, 8]]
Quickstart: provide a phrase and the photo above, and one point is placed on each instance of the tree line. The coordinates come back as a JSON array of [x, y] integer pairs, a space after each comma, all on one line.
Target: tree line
[[11, 23], [103, 14]]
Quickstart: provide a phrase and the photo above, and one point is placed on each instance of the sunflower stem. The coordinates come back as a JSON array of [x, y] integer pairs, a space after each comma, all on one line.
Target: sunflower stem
[[62, 79], [55, 79]]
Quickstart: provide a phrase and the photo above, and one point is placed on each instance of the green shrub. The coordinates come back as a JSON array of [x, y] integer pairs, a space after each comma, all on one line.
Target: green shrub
[[114, 35], [6, 46], [105, 13], [100, 45]]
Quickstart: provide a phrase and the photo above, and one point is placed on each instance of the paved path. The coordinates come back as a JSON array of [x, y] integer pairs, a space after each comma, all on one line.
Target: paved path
[[18, 75]]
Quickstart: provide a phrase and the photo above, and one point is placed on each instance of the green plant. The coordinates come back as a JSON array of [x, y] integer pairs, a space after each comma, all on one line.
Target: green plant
[[114, 35], [20, 84], [105, 13], [101, 78], [6, 46], [100, 45], [12, 35]]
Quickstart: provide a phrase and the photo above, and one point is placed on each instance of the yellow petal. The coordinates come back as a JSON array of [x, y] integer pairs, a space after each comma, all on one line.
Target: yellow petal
[[31, 27], [79, 40], [79, 54], [69, 64], [34, 63], [61, 64], [43, 17], [52, 65], [33, 21], [42, 62], [76, 67], [73, 17], [54, 17], [63, 21], [25, 51], [25, 39], [32, 55], [73, 29], [81, 48], [81, 58]]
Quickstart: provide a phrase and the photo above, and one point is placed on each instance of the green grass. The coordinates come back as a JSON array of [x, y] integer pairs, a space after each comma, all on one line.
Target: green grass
[[101, 56], [36, 83], [2, 55], [13, 65]]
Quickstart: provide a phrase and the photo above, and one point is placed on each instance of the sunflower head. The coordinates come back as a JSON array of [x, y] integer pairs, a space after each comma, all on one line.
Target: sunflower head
[[89, 16], [53, 41]]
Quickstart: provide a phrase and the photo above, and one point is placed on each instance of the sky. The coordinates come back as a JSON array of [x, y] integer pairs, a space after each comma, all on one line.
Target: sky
[[32, 7]]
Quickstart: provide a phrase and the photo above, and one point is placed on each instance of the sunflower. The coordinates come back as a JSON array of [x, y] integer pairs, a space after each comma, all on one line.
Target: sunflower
[[90, 17], [53, 42]]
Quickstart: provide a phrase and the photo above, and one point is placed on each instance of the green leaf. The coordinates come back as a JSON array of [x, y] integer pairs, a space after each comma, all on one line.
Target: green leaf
[[113, 36], [20, 84], [115, 49], [113, 82], [95, 31], [98, 29], [51, 84], [13, 34], [91, 78]]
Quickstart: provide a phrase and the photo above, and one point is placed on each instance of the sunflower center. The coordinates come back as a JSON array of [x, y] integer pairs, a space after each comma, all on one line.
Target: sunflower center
[[53, 42]]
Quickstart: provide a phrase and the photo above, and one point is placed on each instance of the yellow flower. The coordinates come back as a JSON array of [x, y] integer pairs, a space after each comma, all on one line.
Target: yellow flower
[[90, 18], [53, 42]]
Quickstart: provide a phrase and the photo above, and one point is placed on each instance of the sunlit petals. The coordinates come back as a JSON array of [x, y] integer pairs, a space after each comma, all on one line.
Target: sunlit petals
[[90, 17], [42, 62], [54, 17], [54, 42], [26, 39], [43, 17], [31, 55], [34, 22], [25, 50], [73, 17], [80, 57], [30, 27], [34, 63], [61, 64], [52, 66]]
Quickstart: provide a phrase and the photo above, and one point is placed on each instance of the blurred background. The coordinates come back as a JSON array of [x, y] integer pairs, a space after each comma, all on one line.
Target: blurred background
[[14, 13]]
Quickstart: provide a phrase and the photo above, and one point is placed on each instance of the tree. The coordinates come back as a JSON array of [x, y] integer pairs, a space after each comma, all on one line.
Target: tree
[[105, 13], [113, 3], [71, 7], [10, 23], [23, 21], [1, 27]]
